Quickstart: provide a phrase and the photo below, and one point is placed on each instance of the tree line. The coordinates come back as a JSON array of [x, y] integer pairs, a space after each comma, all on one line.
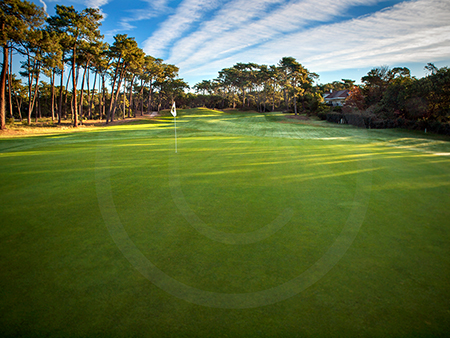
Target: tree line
[[394, 93], [71, 40], [287, 85], [391, 97]]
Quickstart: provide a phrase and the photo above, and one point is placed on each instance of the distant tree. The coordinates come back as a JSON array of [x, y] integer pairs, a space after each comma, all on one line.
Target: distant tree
[[431, 68], [435, 89], [16, 18], [99, 62], [152, 70], [135, 69], [348, 84], [204, 88], [284, 70], [124, 52], [375, 84], [36, 44], [397, 92], [102, 64], [18, 93], [87, 53], [296, 78], [78, 28], [59, 59], [173, 88], [355, 101], [272, 82], [229, 77], [333, 86], [53, 64], [263, 86], [163, 82]]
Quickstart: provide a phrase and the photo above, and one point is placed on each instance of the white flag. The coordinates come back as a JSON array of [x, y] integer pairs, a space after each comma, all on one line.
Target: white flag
[[174, 110]]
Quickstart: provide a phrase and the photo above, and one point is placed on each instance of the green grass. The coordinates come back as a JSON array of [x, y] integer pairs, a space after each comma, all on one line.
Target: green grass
[[256, 227]]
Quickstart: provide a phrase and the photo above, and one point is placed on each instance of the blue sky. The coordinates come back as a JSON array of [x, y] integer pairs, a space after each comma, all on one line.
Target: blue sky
[[334, 38]]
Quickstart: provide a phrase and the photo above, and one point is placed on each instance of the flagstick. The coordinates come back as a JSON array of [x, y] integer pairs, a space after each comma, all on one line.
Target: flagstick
[[173, 111], [175, 134]]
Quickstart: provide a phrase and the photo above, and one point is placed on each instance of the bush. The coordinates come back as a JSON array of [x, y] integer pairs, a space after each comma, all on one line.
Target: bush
[[322, 115], [337, 109], [437, 127], [370, 120], [323, 108], [336, 118], [356, 120]]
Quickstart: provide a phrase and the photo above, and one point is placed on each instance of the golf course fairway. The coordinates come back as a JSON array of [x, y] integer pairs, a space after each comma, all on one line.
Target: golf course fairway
[[258, 226]]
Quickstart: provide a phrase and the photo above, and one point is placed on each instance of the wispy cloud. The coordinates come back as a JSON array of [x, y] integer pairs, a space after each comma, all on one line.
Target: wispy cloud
[[233, 15], [412, 31], [44, 5], [242, 23], [415, 31], [95, 3], [188, 12], [154, 8]]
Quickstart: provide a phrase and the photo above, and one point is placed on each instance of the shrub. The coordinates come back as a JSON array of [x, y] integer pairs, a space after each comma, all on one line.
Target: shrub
[[322, 115], [336, 118], [355, 120]]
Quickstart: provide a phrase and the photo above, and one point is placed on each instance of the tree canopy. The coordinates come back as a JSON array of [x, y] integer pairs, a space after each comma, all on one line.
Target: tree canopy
[[72, 38]]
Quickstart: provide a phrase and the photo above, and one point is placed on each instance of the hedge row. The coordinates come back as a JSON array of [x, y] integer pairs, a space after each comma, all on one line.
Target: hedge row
[[372, 122]]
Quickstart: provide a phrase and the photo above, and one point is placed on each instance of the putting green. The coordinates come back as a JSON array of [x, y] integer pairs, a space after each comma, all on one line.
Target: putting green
[[257, 226]]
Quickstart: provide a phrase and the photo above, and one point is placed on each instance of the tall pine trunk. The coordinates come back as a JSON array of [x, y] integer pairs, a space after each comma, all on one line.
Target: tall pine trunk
[[82, 94], [141, 96], [61, 95], [32, 96], [74, 88], [112, 109], [3, 85], [101, 98], [116, 97], [150, 97], [286, 99], [10, 87], [65, 95], [273, 100], [39, 105], [52, 80], [91, 96], [30, 84], [130, 100], [295, 104], [124, 96], [19, 107]]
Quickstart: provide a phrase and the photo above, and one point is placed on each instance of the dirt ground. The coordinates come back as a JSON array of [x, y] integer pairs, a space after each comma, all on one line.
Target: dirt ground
[[40, 128]]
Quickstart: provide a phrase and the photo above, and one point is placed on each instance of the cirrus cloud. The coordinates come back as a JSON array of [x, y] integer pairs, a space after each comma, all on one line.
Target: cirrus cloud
[[322, 35]]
